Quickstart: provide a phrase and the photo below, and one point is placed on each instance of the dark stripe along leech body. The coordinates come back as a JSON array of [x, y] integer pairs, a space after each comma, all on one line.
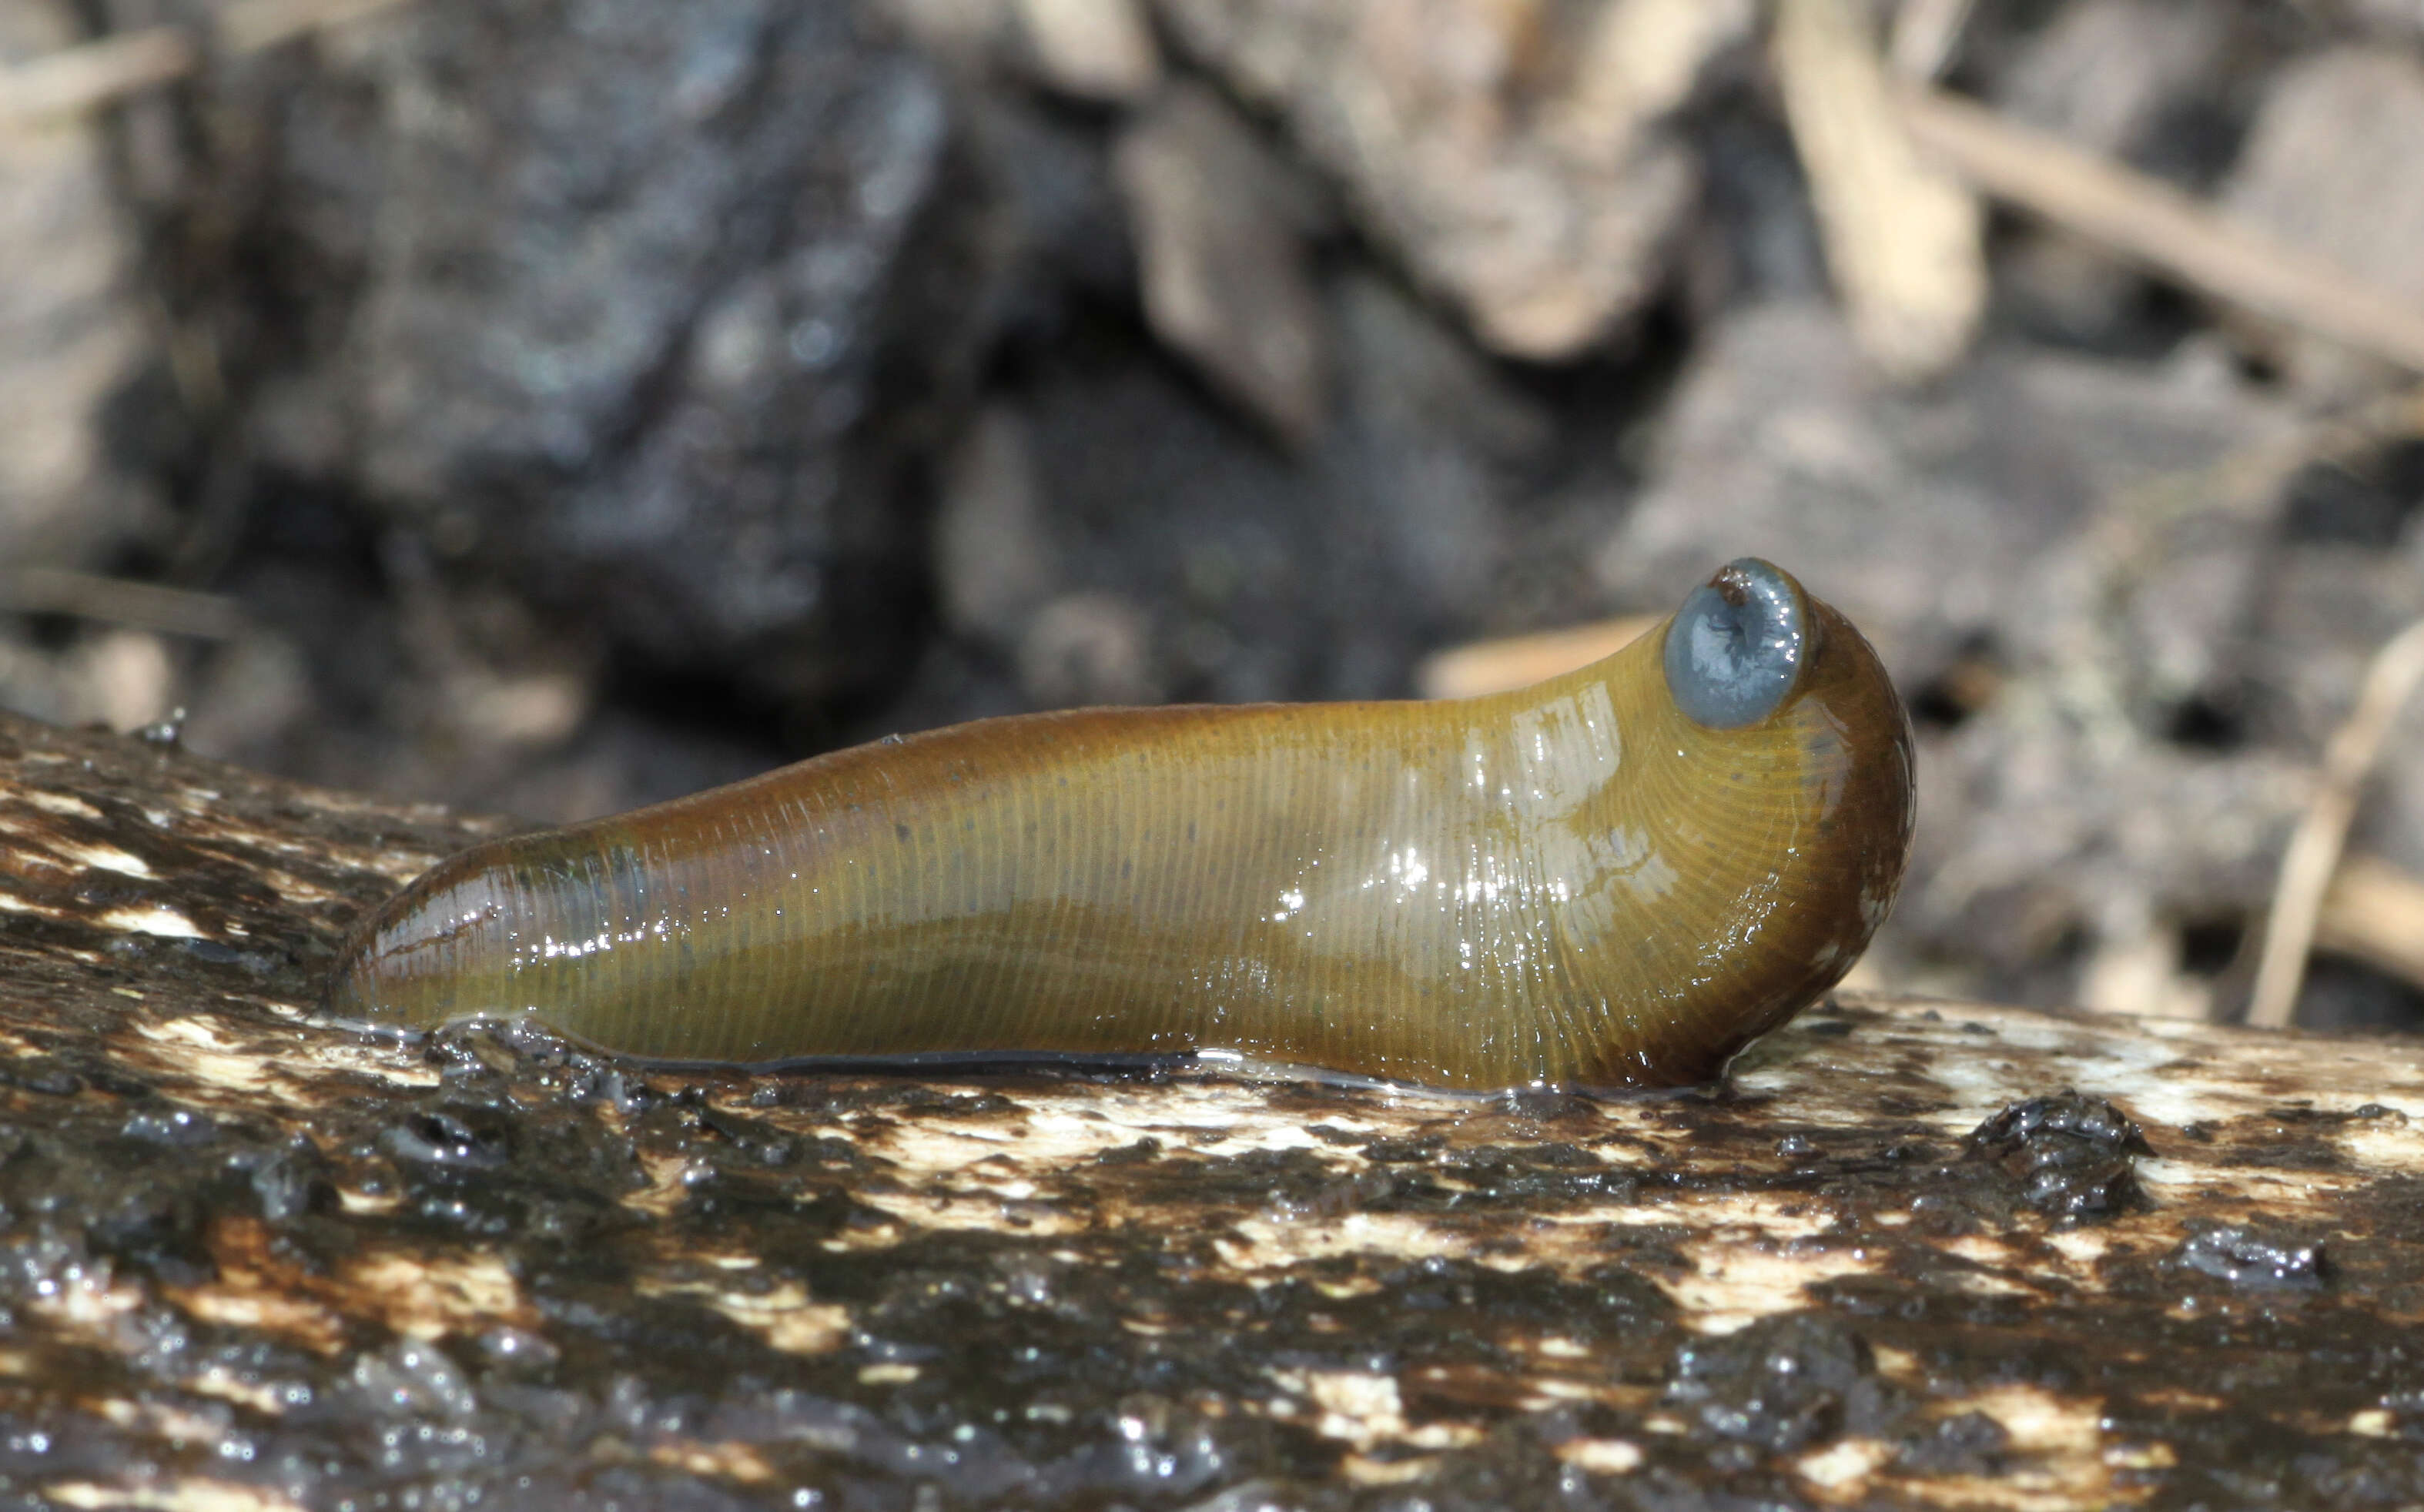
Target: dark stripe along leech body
[[1578, 882]]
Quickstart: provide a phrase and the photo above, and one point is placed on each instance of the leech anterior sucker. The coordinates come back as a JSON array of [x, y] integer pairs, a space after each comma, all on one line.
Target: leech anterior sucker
[[1615, 878]]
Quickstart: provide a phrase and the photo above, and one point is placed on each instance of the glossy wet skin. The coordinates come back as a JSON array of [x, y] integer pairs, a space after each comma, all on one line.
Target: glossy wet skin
[[1576, 883]]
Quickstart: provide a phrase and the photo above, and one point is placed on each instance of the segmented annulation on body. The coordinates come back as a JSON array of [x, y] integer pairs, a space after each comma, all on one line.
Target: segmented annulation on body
[[1615, 878]]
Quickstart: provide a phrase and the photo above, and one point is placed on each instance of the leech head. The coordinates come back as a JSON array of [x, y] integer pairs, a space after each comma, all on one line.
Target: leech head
[[1738, 645]]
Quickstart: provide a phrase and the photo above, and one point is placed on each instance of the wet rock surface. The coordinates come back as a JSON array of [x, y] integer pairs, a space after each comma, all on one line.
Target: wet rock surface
[[251, 1260], [2072, 1156]]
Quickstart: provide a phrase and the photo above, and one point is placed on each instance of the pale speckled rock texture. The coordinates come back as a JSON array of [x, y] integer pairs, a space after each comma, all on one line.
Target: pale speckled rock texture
[[247, 1260]]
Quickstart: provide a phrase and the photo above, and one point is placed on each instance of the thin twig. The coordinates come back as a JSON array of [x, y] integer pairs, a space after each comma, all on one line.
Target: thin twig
[[85, 77], [2148, 222], [1904, 237], [2374, 911], [2314, 851], [75, 79], [150, 606], [1927, 37], [257, 25]]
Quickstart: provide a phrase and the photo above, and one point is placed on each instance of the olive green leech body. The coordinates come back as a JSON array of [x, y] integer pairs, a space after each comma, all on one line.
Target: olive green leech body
[[1578, 882]]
